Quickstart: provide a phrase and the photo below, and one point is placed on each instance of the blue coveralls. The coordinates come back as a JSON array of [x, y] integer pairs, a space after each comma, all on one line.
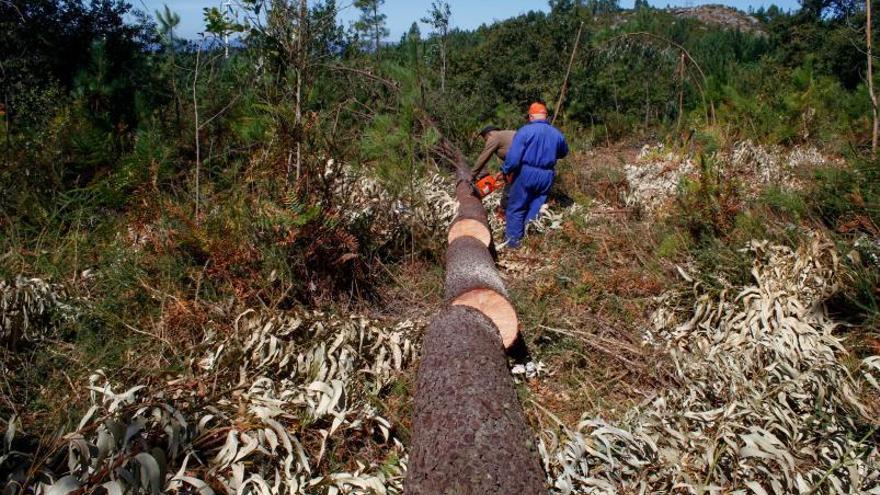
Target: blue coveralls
[[531, 159]]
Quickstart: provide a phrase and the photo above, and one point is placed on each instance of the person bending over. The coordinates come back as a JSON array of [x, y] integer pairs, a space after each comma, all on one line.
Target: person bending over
[[497, 143]]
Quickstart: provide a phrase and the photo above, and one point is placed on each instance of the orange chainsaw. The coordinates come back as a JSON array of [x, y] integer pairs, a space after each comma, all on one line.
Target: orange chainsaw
[[489, 184]]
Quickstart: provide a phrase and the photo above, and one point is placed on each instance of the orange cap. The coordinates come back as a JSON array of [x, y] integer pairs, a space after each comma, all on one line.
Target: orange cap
[[537, 109]]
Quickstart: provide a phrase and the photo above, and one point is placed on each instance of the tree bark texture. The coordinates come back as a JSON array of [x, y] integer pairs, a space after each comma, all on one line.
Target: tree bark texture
[[471, 276], [471, 219], [470, 436], [469, 430], [469, 266]]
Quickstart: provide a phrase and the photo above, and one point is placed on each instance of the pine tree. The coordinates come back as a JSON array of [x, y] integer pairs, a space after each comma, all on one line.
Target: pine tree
[[412, 39], [327, 37], [168, 21], [371, 22], [438, 18]]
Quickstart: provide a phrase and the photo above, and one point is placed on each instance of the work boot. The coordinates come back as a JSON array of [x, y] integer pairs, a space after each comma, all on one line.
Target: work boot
[[509, 245]]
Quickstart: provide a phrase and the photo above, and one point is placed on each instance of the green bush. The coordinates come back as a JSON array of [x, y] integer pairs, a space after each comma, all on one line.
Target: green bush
[[672, 246], [709, 204], [848, 201], [846, 195], [785, 202]]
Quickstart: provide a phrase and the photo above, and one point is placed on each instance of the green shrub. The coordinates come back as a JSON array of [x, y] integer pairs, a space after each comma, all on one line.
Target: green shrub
[[848, 201], [846, 195], [708, 205], [724, 260], [149, 163], [672, 246], [785, 202]]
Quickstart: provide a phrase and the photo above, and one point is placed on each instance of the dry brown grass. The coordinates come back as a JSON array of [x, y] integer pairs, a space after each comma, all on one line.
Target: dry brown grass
[[414, 289], [583, 293]]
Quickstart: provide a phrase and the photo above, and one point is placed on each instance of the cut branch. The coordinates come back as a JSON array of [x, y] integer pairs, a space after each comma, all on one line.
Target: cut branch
[[562, 91]]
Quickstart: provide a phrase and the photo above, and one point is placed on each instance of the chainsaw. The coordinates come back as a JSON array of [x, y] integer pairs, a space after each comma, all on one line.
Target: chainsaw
[[489, 184]]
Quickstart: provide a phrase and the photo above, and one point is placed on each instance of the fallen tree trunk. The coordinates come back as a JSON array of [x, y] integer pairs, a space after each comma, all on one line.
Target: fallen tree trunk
[[469, 266], [472, 280], [471, 219], [469, 431]]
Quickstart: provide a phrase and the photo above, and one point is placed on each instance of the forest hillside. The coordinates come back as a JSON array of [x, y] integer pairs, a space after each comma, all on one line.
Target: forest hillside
[[218, 260]]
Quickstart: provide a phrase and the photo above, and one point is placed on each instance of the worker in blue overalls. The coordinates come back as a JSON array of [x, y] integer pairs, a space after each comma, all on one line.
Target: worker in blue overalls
[[531, 162]]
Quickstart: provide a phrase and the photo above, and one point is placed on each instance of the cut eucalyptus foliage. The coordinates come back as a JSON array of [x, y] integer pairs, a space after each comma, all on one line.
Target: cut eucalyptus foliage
[[30, 308], [278, 404], [766, 398], [658, 172], [430, 207], [765, 404]]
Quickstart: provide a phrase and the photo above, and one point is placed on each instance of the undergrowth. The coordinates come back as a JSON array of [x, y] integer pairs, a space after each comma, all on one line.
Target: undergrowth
[[156, 189], [584, 306]]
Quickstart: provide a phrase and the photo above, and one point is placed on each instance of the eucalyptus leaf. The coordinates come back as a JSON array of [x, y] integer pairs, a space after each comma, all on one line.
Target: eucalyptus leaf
[[63, 486]]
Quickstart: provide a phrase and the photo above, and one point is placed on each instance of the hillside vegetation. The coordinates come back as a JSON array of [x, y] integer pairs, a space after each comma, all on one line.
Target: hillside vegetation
[[215, 268]]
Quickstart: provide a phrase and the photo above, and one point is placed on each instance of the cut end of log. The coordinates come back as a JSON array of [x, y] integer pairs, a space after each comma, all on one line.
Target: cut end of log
[[472, 228], [497, 308]]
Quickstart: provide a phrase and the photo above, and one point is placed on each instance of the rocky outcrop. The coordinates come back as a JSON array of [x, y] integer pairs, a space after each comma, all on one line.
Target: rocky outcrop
[[722, 16]]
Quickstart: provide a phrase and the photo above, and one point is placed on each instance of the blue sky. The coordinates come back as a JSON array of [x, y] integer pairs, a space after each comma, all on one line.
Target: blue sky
[[466, 14]]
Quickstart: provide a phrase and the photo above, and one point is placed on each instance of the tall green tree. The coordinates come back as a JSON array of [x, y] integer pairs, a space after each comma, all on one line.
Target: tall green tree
[[327, 37], [168, 22], [602, 7], [438, 18], [372, 23], [566, 6], [414, 36], [818, 10]]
